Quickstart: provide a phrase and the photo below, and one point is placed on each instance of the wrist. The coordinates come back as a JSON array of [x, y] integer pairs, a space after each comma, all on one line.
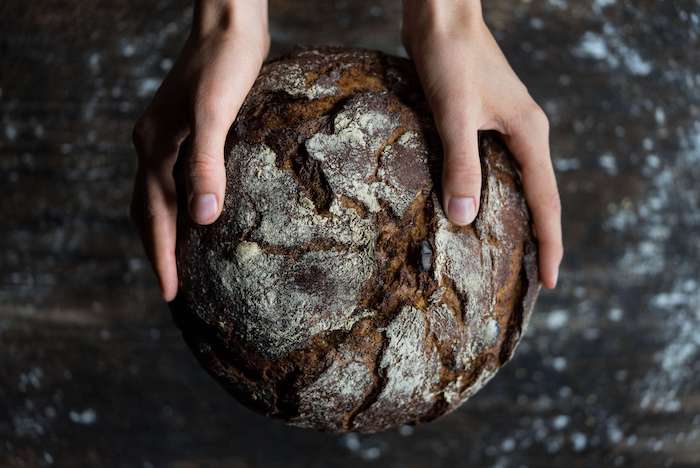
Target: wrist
[[224, 17], [423, 18]]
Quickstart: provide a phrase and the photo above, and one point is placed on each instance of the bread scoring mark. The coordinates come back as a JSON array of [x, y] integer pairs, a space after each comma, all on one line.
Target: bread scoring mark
[[454, 258], [343, 385], [358, 131], [376, 387], [408, 365], [398, 281], [403, 171], [288, 218]]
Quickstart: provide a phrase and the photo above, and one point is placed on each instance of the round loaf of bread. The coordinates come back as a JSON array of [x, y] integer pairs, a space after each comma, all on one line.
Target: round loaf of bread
[[332, 292]]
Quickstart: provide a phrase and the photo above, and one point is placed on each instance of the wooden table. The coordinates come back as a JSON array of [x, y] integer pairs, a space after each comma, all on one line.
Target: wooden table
[[94, 373]]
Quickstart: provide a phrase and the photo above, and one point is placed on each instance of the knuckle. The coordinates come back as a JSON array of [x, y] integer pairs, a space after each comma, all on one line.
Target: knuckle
[[464, 173], [204, 165], [462, 168], [530, 117]]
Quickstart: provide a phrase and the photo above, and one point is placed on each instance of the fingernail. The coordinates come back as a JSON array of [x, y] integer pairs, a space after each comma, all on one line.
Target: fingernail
[[461, 210], [556, 278], [203, 208]]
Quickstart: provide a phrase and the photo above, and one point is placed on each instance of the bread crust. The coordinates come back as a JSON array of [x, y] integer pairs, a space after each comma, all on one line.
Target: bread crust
[[332, 292]]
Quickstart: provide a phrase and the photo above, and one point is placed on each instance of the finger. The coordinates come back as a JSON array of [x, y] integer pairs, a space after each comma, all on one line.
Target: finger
[[156, 219], [154, 202], [219, 98], [206, 181], [528, 139], [461, 172]]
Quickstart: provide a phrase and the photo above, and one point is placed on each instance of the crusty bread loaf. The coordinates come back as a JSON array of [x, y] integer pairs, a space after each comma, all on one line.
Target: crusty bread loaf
[[332, 292]]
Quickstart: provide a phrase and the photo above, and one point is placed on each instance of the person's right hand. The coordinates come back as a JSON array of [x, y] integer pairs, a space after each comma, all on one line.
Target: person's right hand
[[470, 87], [199, 98]]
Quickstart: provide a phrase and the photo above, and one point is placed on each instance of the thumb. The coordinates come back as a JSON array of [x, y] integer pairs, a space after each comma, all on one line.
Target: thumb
[[206, 175], [461, 174]]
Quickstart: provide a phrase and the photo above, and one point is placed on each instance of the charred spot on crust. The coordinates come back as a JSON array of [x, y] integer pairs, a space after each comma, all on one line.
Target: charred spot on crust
[[313, 180]]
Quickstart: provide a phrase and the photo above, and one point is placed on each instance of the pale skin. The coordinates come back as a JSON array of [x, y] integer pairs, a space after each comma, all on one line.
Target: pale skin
[[466, 78]]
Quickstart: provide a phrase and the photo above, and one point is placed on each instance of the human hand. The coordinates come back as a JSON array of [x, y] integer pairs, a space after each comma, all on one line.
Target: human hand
[[470, 86], [200, 98]]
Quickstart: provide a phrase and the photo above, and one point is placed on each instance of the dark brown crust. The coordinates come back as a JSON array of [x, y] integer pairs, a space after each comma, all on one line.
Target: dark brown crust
[[404, 244]]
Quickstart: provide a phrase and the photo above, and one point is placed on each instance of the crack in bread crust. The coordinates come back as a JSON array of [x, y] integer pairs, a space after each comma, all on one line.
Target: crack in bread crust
[[333, 293]]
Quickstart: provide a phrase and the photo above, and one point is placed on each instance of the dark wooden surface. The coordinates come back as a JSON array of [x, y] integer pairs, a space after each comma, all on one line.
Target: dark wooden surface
[[94, 373]]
